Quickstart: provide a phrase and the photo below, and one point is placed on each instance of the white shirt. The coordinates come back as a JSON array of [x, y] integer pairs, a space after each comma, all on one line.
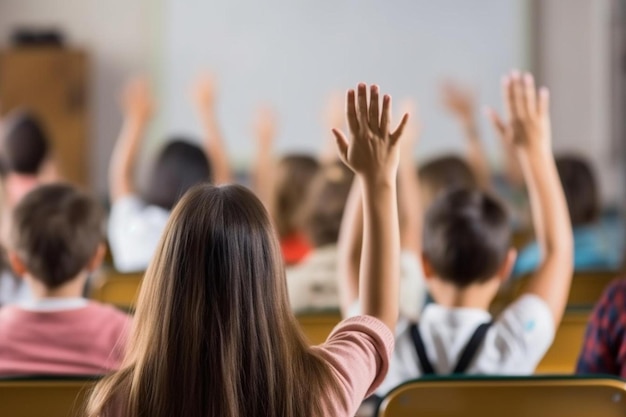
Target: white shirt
[[514, 344], [134, 232], [54, 304], [313, 284]]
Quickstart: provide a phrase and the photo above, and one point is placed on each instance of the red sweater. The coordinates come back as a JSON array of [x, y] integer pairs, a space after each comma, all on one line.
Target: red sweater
[[85, 341]]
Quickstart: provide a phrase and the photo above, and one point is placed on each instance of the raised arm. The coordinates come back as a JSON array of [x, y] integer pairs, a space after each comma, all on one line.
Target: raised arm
[[204, 100], [409, 194], [373, 153], [263, 168], [530, 133], [137, 106], [461, 104]]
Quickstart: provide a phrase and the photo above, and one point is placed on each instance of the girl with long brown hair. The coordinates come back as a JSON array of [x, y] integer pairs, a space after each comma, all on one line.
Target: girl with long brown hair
[[214, 334]]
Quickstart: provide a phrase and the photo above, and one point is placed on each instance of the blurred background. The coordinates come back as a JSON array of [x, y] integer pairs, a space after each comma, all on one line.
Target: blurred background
[[294, 55]]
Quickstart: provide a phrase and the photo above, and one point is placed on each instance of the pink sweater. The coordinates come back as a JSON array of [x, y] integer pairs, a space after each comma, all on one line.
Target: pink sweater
[[358, 351], [85, 341]]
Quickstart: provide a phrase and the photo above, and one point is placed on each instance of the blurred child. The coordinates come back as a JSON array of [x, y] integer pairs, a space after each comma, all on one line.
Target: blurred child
[[467, 255], [27, 162], [604, 347], [283, 187], [312, 284], [138, 218], [442, 174], [56, 241], [215, 335], [598, 245]]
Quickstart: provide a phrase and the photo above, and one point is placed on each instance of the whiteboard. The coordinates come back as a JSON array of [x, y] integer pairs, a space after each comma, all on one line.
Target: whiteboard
[[293, 54]]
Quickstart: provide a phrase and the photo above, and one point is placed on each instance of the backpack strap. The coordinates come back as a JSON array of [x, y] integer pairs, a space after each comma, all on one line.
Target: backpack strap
[[425, 365], [472, 347], [467, 356]]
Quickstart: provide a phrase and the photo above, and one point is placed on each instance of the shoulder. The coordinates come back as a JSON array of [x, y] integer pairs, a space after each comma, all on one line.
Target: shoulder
[[106, 314]]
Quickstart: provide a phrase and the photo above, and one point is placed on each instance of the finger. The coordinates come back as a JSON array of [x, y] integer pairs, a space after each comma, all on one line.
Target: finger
[[374, 116], [531, 94], [543, 105], [507, 96], [384, 117], [362, 104], [519, 96], [342, 144], [351, 114], [497, 122], [397, 134]]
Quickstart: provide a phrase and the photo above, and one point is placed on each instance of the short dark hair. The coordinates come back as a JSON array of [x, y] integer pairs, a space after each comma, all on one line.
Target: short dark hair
[[56, 231], [325, 203], [581, 191], [26, 144], [466, 236], [294, 176], [444, 173], [179, 166]]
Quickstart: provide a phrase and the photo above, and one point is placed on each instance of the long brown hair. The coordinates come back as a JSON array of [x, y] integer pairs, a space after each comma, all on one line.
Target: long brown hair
[[214, 334]]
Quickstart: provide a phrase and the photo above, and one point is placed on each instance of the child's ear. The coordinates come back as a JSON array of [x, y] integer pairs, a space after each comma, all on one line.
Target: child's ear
[[507, 266], [18, 267], [98, 257], [429, 272]]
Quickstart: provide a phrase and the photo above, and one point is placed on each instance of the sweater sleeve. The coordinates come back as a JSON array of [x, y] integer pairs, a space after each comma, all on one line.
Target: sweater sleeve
[[358, 351]]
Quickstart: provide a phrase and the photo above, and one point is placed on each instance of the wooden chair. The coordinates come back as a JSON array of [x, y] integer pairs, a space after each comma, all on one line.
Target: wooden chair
[[48, 396], [562, 356], [585, 292], [119, 289], [510, 397], [318, 325]]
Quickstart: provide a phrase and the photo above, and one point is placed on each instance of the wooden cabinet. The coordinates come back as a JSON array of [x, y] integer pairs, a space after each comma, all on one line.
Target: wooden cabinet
[[52, 83]]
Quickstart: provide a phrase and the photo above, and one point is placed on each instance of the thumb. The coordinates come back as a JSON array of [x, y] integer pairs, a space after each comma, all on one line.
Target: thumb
[[496, 121], [342, 144]]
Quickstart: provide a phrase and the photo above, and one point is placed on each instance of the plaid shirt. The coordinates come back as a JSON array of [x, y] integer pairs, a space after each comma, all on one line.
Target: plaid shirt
[[604, 350]]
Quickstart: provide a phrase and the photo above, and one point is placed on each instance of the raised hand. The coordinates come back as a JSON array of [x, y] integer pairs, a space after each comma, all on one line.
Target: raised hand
[[372, 151], [265, 128], [412, 131], [137, 101], [203, 92], [459, 101], [528, 116]]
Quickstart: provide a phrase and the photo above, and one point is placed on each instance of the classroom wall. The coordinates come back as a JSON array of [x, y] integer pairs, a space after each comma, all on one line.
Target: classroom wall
[[573, 60], [119, 34]]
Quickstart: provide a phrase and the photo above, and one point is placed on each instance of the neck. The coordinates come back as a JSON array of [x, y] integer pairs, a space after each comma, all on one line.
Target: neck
[[71, 289], [478, 296]]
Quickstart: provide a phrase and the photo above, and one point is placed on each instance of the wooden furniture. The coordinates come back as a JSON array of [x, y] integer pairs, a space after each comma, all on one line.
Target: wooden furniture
[[52, 83], [44, 397], [318, 325], [117, 288], [562, 356], [510, 397]]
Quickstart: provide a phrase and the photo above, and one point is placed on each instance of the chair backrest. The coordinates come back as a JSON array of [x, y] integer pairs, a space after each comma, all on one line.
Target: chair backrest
[[44, 397], [119, 289], [562, 356], [510, 397], [318, 325], [585, 292]]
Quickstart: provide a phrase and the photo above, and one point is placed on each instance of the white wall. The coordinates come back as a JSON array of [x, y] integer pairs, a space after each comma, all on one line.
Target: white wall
[[293, 54], [119, 36], [574, 62]]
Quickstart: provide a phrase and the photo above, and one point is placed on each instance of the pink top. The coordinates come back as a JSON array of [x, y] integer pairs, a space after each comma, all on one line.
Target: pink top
[[358, 351], [89, 340]]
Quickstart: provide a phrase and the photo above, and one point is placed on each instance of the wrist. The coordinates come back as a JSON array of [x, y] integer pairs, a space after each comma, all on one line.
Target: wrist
[[377, 181]]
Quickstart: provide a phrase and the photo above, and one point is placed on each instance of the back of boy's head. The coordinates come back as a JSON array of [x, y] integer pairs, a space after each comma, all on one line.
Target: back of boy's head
[[56, 231], [325, 203], [581, 191], [444, 173], [466, 236], [293, 180], [25, 144], [179, 166]]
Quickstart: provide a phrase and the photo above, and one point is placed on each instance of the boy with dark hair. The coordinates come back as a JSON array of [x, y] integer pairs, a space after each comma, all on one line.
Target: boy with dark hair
[[56, 241], [466, 255], [598, 242]]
